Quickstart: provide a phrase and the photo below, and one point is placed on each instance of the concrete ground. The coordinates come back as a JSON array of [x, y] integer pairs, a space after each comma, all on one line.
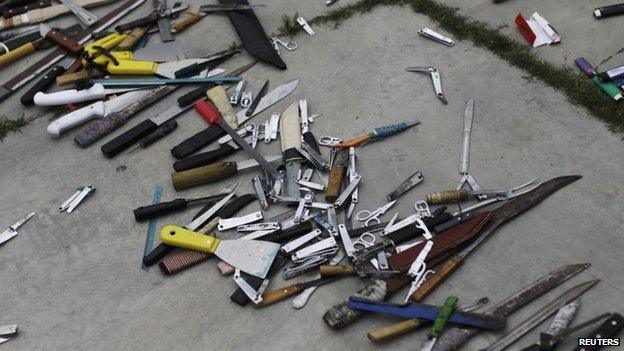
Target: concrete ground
[[73, 281]]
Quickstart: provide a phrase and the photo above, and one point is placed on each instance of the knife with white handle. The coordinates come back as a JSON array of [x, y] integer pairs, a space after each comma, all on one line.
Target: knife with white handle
[[97, 109], [96, 92]]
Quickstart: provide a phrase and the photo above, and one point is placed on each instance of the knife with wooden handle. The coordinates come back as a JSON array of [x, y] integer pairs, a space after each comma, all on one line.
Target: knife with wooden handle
[[337, 175]]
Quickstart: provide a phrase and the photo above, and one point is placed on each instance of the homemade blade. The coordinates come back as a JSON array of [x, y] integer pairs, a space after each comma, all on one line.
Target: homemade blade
[[454, 338], [269, 99], [541, 315], [251, 256]]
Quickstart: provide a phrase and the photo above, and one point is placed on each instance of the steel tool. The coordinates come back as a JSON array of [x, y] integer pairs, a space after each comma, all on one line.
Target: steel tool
[[213, 172], [151, 226], [344, 196], [11, 231], [237, 92], [250, 256], [368, 216], [290, 135], [280, 294], [377, 134], [336, 176], [246, 99], [254, 295], [160, 11], [352, 174], [83, 15], [541, 315], [608, 11], [428, 312], [435, 36], [306, 134], [435, 78], [164, 23], [8, 332], [559, 326], [303, 297], [268, 226], [438, 325], [329, 141], [411, 181], [269, 100], [212, 116]]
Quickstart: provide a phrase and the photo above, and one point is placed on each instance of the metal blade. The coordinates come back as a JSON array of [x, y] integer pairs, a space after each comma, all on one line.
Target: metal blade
[[518, 205], [168, 69], [162, 52], [269, 99], [540, 316], [250, 256], [240, 165], [454, 338], [22, 221], [204, 217], [7, 235], [465, 156]]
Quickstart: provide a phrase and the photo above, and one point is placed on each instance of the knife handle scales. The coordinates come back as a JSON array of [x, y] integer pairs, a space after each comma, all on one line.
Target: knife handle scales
[[197, 141], [132, 39], [128, 138], [16, 53], [64, 41], [336, 270], [334, 184], [392, 331], [202, 175], [28, 98], [191, 18]]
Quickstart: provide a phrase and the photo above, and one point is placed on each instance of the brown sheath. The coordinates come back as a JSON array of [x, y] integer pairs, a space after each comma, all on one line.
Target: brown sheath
[[442, 243], [337, 175]]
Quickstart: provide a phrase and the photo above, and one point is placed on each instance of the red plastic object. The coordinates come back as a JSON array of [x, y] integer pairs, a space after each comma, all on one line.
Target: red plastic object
[[208, 112], [526, 30]]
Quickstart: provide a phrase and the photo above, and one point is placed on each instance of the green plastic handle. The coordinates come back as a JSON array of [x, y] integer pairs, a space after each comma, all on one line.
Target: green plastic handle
[[443, 316]]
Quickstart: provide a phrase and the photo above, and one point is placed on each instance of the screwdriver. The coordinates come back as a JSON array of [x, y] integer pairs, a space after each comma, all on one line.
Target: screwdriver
[[144, 213], [156, 135]]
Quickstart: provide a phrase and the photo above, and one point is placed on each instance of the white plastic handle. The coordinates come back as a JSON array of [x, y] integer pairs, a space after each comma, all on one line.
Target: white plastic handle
[[96, 92], [75, 118]]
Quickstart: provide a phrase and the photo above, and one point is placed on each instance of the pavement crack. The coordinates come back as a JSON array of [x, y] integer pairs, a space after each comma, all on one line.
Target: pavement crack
[[619, 289], [610, 57]]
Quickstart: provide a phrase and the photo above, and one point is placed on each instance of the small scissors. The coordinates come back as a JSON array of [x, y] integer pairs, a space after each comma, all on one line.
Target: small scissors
[[365, 240], [367, 216], [329, 141], [288, 45]]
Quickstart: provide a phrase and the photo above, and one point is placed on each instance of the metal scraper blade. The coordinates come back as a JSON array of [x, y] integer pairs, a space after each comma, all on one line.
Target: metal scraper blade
[[250, 256], [161, 52]]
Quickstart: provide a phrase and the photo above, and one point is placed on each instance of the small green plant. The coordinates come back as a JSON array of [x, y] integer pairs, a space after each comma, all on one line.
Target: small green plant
[[8, 125], [289, 26]]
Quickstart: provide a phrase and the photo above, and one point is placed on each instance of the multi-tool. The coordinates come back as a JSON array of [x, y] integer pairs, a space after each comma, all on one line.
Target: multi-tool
[[411, 181], [324, 247], [352, 174], [435, 78], [77, 197], [235, 97], [304, 24], [348, 191]]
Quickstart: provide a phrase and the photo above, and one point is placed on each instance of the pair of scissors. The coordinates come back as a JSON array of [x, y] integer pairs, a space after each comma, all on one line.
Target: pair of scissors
[[367, 216], [365, 240], [288, 45]]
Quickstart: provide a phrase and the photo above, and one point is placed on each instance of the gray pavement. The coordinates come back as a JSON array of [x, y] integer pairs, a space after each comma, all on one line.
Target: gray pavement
[[73, 281]]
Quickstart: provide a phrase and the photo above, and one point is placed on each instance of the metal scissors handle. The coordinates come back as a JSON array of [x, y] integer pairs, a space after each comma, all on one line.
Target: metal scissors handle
[[329, 140], [367, 216], [365, 240], [288, 45]]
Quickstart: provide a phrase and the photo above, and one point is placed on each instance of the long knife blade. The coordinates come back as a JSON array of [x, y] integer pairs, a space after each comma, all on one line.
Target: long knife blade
[[541, 315], [465, 156], [269, 100], [454, 338], [82, 37]]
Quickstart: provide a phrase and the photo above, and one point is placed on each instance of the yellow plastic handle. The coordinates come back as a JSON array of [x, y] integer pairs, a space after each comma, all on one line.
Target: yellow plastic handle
[[108, 42], [16, 53], [132, 67], [181, 237]]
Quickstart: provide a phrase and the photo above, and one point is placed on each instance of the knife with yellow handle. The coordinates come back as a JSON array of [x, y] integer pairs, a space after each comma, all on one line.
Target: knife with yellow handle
[[250, 256], [136, 67]]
